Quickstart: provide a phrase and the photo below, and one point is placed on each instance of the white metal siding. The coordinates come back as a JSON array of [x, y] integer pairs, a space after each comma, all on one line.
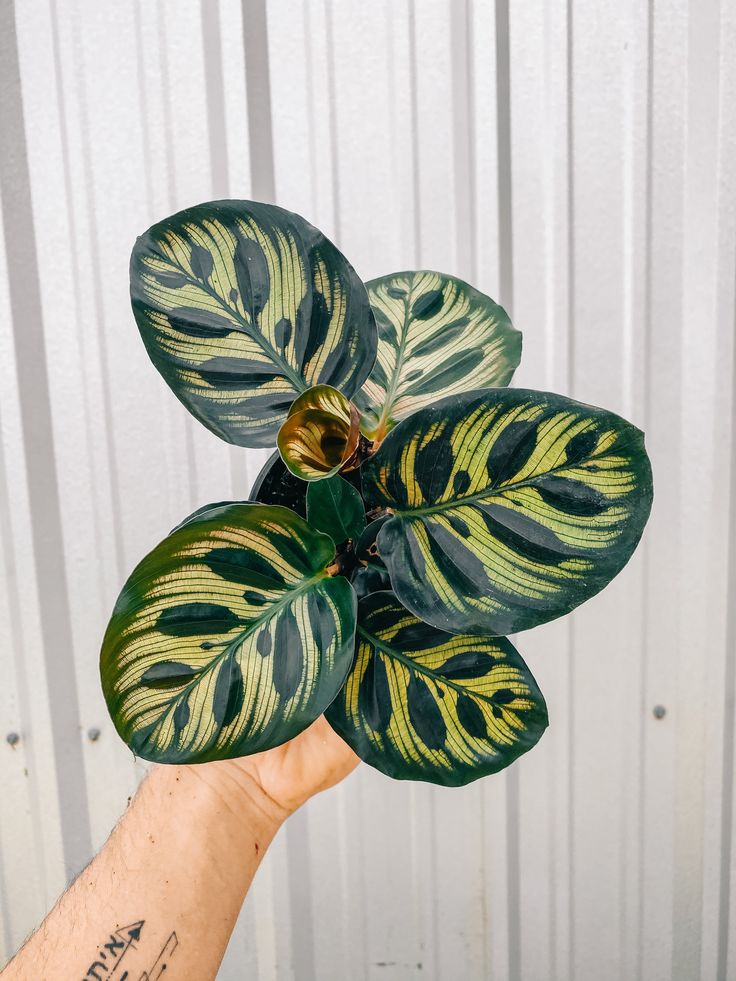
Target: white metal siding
[[576, 160]]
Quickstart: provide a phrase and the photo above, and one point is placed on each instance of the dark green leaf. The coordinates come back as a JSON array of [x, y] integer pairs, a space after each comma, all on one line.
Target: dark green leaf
[[437, 336], [369, 579], [242, 306], [366, 548], [421, 704], [335, 508], [510, 507], [229, 638]]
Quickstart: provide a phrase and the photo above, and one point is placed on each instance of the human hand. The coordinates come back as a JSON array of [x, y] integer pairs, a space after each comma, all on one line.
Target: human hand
[[290, 774], [182, 859]]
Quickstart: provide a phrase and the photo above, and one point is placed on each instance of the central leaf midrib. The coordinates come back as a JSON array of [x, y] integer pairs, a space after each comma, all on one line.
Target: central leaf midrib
[[422, 669], [255, 335], [400, 354], [480, 495], [231, 645]]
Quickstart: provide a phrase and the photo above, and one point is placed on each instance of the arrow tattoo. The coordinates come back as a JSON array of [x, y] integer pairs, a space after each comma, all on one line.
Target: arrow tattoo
[[111, 953]]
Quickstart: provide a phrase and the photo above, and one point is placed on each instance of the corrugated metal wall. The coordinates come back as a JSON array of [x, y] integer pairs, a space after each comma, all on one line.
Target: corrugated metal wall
[[576, 161]]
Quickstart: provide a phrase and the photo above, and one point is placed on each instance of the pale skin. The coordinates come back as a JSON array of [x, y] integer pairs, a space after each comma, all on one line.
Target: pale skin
[[181, 859]]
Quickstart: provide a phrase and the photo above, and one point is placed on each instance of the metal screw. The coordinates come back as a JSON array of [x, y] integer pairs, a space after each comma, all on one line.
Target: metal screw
[[12, 738], [659, 711], [93, 734]]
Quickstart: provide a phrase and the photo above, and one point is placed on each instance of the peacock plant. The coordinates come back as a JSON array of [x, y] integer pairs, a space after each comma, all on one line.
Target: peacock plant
[[415, 513]]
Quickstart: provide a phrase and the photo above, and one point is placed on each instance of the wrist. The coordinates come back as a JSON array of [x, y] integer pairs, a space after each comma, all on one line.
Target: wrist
[[240, 778], [231, 787]]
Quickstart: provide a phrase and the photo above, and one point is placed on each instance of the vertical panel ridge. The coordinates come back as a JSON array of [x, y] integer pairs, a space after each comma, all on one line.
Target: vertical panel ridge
[[48, 544], [258, 91]]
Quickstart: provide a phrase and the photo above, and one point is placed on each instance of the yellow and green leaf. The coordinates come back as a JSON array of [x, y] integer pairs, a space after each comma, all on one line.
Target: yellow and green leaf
[[228, 638], [423, 704], [437, 336], [242, 306], [509, 507], [320, 435]]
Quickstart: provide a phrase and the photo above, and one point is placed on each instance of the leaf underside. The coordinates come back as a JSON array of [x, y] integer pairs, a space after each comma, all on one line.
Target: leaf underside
[[368, 579], [422, 704], [276, 484], [510, 507], [242, 306], [228, 638]]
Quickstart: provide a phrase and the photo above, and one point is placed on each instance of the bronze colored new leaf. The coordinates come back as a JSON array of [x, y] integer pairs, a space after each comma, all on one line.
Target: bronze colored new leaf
[[321, 434]]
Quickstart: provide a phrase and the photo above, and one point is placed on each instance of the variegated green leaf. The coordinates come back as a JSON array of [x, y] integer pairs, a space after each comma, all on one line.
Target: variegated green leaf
[[510, 507], [437, 336], [422, 704], [242, 306], [228, 638]]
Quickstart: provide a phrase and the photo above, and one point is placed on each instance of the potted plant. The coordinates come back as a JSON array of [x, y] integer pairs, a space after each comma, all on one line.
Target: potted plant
[[416, 512]]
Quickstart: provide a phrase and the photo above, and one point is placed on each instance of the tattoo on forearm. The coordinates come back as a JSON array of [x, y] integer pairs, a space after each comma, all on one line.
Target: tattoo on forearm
[[162, 961], [108, 963], [111, 955]]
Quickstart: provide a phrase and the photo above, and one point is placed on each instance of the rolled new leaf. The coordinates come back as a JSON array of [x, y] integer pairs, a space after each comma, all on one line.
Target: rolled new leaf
[[320, 435], [242, 306], [437, 336], [422, 704], [229, 638], [510, 507]]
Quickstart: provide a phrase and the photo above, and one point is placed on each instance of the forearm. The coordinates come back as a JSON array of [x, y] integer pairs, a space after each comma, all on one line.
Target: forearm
[[180, 861]]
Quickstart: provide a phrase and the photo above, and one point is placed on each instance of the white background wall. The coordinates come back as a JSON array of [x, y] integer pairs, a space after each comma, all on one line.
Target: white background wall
[[576, 161]]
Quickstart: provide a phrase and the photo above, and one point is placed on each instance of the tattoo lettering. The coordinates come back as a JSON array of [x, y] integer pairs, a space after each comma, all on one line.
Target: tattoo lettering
[[111, 953], [109, 957]]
